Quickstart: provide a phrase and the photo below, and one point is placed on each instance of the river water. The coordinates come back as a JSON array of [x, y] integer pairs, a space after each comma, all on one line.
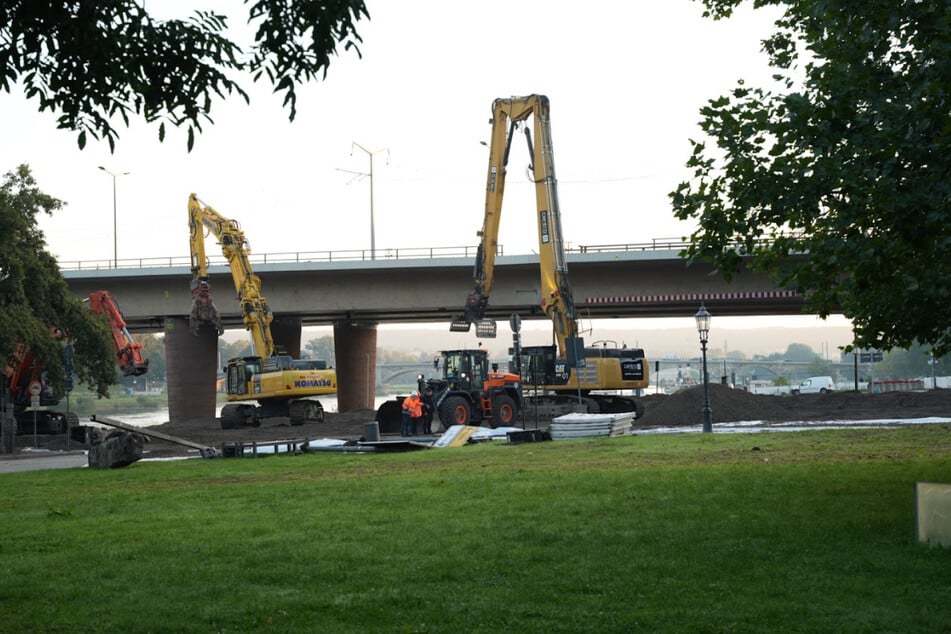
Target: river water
[[159, 416]]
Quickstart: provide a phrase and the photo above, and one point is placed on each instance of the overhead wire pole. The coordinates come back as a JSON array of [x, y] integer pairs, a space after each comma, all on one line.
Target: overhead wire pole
[[115, 221], [371, 154]]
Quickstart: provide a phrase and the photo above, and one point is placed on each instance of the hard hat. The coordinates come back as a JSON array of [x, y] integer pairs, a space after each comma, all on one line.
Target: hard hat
[[415, 393]]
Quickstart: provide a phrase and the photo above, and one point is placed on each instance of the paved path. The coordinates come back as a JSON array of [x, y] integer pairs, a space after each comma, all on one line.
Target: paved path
[[51, 460]]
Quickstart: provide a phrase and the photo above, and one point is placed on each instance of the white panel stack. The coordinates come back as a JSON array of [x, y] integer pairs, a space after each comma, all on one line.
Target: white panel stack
[[591, 425]]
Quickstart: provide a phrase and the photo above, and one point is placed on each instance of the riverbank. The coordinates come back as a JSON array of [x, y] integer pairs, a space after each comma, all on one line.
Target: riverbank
[[660, 412]]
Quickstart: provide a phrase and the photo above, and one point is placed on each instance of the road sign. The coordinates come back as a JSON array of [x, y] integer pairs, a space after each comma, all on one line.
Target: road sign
[[575, 352], [870, 357], [34, 401], [35, 388]]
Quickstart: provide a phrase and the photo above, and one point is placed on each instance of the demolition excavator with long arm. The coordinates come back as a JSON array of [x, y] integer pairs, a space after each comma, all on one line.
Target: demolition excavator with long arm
[[566, 372]]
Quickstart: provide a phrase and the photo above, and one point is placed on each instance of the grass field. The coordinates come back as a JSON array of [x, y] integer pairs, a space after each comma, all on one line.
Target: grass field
[[794, 532]]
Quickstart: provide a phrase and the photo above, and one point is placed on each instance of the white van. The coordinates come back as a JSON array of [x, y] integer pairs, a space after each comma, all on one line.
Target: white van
[[815, 385]]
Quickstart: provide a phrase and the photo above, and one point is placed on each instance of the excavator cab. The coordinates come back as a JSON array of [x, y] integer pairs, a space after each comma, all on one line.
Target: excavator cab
[[239, 373]]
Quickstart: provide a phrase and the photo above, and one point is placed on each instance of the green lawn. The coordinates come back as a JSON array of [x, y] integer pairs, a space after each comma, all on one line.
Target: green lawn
[[795, 532]]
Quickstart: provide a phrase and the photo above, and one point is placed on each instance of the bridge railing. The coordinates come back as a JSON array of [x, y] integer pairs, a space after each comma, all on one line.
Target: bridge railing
[[657, 244], [353, 255]]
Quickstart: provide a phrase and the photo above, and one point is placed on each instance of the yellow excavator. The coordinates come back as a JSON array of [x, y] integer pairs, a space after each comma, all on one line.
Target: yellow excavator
[[558, 377], [281, 385]]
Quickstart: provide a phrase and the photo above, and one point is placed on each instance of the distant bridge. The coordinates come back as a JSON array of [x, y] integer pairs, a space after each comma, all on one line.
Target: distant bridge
[[402, 373]]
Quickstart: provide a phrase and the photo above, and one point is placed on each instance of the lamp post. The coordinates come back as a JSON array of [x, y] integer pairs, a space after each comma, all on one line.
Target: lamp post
[[934, 378], [115, 222], [703, 327], [371, 154]]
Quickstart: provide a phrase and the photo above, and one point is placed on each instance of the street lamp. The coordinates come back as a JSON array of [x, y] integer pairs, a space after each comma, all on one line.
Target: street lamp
[[115, 223], [371, 154], [703, 327]]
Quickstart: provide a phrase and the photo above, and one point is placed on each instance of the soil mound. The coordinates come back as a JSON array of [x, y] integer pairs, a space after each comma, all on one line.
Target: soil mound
[[729, 405]]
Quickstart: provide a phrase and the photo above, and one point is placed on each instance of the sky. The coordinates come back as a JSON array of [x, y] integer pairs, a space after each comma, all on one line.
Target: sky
[[625, 80]]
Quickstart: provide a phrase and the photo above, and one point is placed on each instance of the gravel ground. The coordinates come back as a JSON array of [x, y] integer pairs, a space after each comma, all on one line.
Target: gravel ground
[[679, 409]]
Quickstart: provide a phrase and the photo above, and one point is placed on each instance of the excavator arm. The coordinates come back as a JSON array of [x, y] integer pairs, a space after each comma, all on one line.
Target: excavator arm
[[255, 312], [128, 350], [203, 309], [508, 115]]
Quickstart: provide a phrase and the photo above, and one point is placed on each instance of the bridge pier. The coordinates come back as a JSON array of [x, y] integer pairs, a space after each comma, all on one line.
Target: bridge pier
[[192, 370], [355, 347], [286, 333]]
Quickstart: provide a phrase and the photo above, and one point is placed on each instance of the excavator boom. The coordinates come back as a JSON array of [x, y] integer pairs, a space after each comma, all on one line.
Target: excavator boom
[[255, 312], [128, 350], [556, 298], [567, 366]]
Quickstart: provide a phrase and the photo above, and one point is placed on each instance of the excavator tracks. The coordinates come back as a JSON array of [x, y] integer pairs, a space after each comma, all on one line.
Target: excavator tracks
[[305, 411], [235, 415]]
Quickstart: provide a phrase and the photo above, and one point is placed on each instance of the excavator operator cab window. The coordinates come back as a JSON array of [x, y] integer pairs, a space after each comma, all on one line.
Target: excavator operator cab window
[[538, 365], [252, 367], [278, 362], [238, 376], [308, 364], [240, 370]]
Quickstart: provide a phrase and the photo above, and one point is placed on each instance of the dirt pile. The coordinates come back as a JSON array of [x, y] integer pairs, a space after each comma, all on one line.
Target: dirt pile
[[729, 405]]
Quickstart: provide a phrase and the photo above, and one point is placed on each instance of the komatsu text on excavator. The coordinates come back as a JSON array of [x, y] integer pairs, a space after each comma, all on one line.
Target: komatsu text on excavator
[[558, 376], [281, 385]]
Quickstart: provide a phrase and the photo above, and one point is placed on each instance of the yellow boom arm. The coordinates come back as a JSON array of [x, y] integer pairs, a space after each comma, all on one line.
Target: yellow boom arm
[[255, 312], [556, 299]]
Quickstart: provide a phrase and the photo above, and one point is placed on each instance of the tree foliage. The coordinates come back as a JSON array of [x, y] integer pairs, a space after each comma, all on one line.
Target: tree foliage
[[322, 348], [93, 61], [34, 296], [845, 161], [153, 349], [912, 363], [234, 349], [799, 352]]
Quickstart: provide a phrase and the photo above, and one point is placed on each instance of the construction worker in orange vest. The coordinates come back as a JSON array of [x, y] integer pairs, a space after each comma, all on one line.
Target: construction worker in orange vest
[[412, 413]]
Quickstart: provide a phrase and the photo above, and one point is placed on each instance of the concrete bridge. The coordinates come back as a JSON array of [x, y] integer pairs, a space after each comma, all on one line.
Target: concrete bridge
[[418, 285], [402, 373]]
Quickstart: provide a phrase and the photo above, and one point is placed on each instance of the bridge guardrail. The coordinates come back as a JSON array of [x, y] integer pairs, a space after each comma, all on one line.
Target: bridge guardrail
[[354, 255], [290, 257], [657, 244]]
